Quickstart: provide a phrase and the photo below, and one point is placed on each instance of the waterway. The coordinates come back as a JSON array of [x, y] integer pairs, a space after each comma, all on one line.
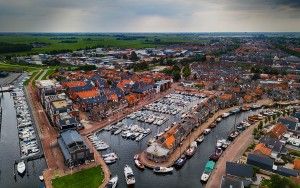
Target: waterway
[[187, 177], [10, 151]]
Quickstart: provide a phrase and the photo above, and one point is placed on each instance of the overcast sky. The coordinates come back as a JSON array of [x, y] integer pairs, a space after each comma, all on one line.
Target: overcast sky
[[149, 15]]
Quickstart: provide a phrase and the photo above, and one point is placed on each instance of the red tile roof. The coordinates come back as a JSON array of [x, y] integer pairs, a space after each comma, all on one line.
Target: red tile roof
[[87, 94], [74, 84]]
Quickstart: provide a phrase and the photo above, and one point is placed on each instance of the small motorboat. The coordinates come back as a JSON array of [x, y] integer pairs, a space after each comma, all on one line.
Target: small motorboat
[[207, 131], [212, 125], [101, 146], [215, 157], [226, 114], [129, 176], [240, 127], [112, 182], [233, 135], [180, 162], [219, 119], [21, 167], [220, 143], [225, 145], [200, 139], [136, 156], [41, 177], [209, 167], [110, 155], [163, 169], [191, 150], [139, 164], [110, 161]]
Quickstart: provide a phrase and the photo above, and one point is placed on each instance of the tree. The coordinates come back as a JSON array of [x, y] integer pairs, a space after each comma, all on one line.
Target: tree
[[140, 66], [133, 56], [186, 72], [277, 181], [87, 67], [255, 131], [260, 125]]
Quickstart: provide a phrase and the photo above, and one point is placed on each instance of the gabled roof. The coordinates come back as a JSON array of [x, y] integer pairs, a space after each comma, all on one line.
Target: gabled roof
[[240, 170], [87, 94], [71, 84], [273, 143], [261, 148], [278, 131]]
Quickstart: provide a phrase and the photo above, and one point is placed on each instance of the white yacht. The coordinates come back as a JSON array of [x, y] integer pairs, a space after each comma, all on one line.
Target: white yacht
[[112, 182], [129, 176]]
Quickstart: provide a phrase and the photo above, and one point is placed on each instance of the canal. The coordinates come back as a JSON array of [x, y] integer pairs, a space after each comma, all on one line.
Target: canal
[[187, 177], [10, 151]]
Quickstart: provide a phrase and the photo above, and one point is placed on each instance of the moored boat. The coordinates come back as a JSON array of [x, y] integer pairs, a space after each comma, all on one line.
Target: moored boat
[[139, 164], [129, 176], [112, 182], [41, 177], [163, 169], [225, 114], [215, 156], [191, 150], [21, 167], [200, 139], [207, 131], [213, 125], [233, 135], [180, 162], [209, 167], [219, 119]]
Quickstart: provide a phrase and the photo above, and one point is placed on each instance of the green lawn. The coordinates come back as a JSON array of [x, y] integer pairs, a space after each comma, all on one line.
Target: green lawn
[[89, 178]]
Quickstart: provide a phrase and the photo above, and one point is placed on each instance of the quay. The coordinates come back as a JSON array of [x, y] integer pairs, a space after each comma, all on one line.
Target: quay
[[189, 139]]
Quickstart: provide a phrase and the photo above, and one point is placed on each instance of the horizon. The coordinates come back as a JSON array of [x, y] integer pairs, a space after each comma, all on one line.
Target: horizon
[[150, 16]]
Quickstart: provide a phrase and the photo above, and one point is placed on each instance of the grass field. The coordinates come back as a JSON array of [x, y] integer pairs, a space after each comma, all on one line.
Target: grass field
[[89, 178], [57, 42]]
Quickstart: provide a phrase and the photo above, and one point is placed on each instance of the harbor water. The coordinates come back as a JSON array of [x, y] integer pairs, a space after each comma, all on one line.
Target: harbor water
[[187, 177], [10, 152]]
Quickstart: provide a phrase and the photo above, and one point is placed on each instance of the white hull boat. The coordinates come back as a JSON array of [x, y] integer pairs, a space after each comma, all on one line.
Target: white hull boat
[[21, 167]]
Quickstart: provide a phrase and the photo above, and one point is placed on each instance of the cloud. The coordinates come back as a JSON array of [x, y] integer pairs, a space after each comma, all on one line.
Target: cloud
[[149, 15]]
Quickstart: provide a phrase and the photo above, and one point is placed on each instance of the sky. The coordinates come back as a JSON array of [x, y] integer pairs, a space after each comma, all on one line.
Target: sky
[[149, 15]]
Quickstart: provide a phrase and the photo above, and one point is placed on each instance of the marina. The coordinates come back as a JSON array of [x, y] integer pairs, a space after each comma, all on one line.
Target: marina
[[183, 174], [9, 142], [28, 138]]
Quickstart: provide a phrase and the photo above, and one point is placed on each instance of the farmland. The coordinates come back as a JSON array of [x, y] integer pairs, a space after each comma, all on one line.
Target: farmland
[[31, 43]]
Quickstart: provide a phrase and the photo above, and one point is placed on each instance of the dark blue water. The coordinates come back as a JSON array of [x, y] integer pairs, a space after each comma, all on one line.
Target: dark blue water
[[10, 151], [187, 177]]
